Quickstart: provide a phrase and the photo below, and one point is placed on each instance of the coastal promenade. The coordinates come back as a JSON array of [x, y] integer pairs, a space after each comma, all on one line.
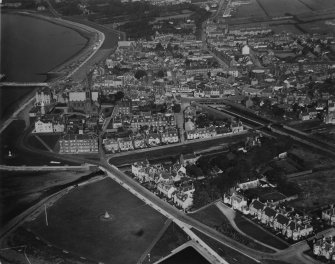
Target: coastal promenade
[[25, 84], [84, 167]]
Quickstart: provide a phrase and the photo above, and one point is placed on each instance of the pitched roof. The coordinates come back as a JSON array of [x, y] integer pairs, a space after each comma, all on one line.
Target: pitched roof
[[257, 205], [281, 219], [268, 211]]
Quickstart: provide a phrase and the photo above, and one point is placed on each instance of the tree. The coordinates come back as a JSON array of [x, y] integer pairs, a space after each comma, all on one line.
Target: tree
[[176, 108], [160, 73], [139, 74], [203, 164], [119, 95], [202, 121], [120, 129], [200, 198], [194, 171], [159, 47], [169, 47]]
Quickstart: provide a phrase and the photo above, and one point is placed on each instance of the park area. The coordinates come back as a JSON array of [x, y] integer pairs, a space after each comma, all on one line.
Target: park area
[[75, 223]]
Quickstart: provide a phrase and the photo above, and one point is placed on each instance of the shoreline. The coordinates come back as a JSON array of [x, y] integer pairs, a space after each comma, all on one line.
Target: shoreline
[[29, 97]]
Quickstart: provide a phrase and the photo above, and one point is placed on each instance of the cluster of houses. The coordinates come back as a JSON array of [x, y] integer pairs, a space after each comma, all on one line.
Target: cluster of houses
[[328, 215], [141, 120], [288, 223], [325, 247], [194, 132], [170, 180], [278, 67], [191, 132]]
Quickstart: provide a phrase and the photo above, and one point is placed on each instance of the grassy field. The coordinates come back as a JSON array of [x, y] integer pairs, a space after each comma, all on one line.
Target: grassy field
[[258, 233], [283, 7], [35, 143], [20, 190], [273, 8], [213, 217], [319, 4], [173, 237], [250, 10], [38, 251], [317, 190], [75, 224], [50, 140], [311, 159], [287, 165]]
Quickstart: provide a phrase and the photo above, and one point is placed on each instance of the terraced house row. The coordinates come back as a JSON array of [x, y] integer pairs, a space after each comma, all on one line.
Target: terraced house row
[[135, 122], [291, 225], [140, 141]]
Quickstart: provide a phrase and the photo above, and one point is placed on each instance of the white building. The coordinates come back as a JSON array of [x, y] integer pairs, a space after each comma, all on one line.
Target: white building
[[329, 216], [245, 50], [167, 189], [185, 201], [43, 96], [43, 126]]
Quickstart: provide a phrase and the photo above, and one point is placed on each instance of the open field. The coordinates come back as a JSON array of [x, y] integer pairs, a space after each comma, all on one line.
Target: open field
[[75, 223], [213, 217], [258, 233], [287, 165], [50, 141], [250, 10], [37, 251], [319, 4], [275, 8], [311, 159], [20, 190], [172, 238], [35, 143], [317, 190]]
